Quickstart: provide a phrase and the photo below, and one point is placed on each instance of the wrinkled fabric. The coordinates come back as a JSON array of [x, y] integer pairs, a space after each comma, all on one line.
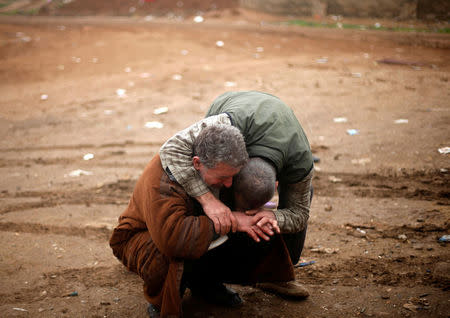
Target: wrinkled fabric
[[157, 231]]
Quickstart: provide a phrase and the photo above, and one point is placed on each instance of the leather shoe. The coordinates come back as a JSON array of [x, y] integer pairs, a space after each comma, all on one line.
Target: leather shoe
[[153, 312], [218, 294], [290, 289]]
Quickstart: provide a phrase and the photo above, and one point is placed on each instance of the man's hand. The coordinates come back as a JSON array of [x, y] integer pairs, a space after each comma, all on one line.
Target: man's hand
[[265, 220], [219, 213], [249, 225]]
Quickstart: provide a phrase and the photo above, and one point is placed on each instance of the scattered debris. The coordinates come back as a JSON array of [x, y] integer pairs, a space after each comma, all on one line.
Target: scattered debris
[[44, 97], [402, 237], [303, 264], [177, 77], [352, 132], [72, 294], [340, 120], [401, 121], [108, 112], [19, 309], [121, 93], [411, 307], [161, 110], [220, 44], [444, 150], [445, 238], [357, 75], [153, 124], [230, 84], [334, 179], [325, 250], [88, 156], [362, 161], [322, 60], [78, 173], [198, 19]]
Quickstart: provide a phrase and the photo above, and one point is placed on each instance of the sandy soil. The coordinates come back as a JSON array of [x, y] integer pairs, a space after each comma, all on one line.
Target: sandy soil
[[382, 195]]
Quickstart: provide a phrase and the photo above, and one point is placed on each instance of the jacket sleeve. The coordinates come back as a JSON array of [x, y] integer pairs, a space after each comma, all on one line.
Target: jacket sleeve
[[295, 201], [169, 217], [177, 152]]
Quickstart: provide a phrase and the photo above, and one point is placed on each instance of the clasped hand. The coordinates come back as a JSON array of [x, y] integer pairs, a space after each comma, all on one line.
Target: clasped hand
[[260, 225]]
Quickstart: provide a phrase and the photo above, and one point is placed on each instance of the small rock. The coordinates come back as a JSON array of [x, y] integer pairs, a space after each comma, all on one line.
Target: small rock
[[411, 307], [328, 208]]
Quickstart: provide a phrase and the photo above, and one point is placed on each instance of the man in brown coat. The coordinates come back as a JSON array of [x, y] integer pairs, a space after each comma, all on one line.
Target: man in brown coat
[[163, 228]]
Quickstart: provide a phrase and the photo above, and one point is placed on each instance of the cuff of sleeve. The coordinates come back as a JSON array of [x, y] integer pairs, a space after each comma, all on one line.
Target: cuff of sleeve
[[280, 218]]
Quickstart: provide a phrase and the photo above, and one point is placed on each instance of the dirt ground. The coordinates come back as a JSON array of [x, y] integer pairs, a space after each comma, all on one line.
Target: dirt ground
[[76, 86]]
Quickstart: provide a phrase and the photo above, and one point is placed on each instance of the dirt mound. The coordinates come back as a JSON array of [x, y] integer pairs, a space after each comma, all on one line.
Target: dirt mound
[[135, 7]]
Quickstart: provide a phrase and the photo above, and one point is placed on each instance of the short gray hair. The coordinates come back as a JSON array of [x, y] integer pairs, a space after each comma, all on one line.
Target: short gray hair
[[221, 143], [255, 183]]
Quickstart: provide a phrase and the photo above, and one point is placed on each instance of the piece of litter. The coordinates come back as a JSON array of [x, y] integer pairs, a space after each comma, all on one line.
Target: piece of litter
[[377, 25], [444, 150], [61, 67], [19, 309], [148, 18], [340, 120], [94, 60], [127, 69], [153, 124], [73, 294], [445, 238], [352, 132], [361, 161], [402, 237], [121, 93], [322, 60], [260, 49], [108, 112], [356, 75], [144, 75], [401, 121], [198, 19], [334, 179], [184, 52], [303, 264], [161, 110], [44, 97], [177, 77], [88, 156], [230, 84], [79, 172], [220, 44]]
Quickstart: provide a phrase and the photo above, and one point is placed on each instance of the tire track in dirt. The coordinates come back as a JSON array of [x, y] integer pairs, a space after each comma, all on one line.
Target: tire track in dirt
[[396, 271], [419, 185], [100, 233]]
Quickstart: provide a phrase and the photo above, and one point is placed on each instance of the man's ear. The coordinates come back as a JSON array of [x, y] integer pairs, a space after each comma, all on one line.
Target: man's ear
[[276, 184], [196, 162]]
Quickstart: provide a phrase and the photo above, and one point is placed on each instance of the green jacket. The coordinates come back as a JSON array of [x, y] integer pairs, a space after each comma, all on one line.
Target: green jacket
[[271, 131]]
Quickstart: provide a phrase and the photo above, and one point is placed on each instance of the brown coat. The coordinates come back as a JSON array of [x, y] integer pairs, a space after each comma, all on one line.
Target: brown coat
[[156, 232], [162, 226]]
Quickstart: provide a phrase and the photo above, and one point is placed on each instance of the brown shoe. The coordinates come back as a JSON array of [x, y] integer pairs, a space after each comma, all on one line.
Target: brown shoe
[[290, 289]]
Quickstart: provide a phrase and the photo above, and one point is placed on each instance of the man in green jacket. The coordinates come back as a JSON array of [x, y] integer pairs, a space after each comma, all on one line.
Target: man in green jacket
[[271, 132]]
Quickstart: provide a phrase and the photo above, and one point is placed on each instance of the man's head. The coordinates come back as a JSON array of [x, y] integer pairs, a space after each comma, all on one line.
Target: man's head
[[254, 185], [219, 154]]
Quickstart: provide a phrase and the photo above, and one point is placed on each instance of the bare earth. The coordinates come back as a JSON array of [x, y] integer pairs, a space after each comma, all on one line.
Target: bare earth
[[381, 196]]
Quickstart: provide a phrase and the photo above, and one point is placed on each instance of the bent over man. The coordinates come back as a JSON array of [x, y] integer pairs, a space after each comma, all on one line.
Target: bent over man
[[271, 132], [163, 231]]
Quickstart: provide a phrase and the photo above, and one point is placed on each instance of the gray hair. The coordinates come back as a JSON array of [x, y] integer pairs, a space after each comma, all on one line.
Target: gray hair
[[256, 182], [221, 143]]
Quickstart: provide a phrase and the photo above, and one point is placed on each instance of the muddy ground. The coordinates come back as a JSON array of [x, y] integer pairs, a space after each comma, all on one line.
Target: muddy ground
[[71, 87]]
